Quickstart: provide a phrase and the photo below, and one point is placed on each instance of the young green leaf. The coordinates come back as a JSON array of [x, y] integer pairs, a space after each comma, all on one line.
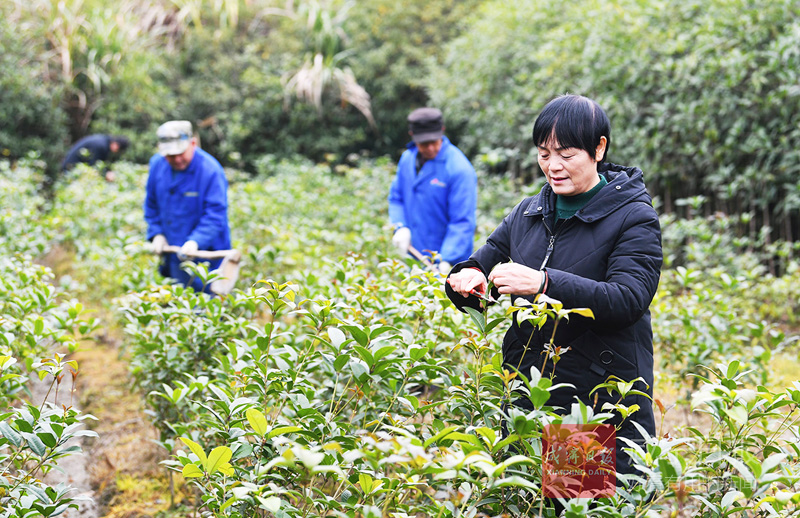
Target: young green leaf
[[478, 318], [283, 430], [197, 450], [257, 420], [191, 471], [218, 460]]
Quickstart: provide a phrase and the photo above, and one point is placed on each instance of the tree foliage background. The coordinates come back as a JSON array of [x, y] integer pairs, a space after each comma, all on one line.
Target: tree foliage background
[[705, 97]]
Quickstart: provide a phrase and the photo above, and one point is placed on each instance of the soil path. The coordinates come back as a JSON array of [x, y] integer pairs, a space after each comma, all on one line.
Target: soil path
[[124, 448], [76, 466], [119, 469]]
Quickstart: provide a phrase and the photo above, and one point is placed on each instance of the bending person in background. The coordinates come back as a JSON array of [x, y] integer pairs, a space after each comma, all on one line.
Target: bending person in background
[[96, 148], [590, 238], [433, 198], [186, 203]]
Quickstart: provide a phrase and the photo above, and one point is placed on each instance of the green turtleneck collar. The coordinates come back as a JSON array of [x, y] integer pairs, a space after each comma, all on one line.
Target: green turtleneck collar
[[567, 206]]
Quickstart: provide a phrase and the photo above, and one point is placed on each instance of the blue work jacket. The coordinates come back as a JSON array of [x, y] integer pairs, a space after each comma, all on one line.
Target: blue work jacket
[[189, 205], [438, 204]]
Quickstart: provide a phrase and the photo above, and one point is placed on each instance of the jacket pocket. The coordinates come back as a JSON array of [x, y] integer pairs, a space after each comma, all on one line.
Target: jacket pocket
[[605, 359], [188, 205], [588, 363]]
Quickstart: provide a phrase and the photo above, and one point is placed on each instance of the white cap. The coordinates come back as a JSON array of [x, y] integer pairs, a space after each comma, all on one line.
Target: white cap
[[174, 137]]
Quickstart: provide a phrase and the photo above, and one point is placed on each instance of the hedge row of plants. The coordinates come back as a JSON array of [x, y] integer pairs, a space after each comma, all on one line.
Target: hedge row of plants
[[37, 322], [338, 381], [39, 325]]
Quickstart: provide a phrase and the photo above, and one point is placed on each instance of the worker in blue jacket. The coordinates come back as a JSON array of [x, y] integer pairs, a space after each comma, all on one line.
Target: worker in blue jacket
[[433, 198], [186, 203]]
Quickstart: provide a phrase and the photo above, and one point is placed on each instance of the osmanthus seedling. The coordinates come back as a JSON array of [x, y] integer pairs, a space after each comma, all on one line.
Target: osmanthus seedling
[[537, 313]]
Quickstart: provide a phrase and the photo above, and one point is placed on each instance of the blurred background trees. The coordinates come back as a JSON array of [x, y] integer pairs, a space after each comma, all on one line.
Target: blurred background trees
[[705, 97]]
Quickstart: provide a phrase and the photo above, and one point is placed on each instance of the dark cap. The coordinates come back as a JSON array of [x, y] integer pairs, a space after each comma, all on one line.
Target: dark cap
[[426, 124]]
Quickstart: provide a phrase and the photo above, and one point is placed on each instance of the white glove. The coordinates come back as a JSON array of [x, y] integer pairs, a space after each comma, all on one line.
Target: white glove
[[444, 267], [402, 239], [158, 244], [188, 249]]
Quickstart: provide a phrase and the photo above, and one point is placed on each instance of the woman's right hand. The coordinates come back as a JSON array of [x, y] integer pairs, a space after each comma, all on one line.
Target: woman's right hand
[[467, 280]]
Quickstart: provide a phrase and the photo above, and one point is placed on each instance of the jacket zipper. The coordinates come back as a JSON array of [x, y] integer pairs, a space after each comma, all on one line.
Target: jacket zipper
[[549, 250], [553, 236]]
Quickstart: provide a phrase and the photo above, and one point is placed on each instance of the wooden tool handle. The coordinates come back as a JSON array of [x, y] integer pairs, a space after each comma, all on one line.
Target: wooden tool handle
[[232, 254], [419, 257]]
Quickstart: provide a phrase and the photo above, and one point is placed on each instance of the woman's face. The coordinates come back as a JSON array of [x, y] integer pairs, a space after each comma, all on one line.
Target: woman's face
[[570, 171]]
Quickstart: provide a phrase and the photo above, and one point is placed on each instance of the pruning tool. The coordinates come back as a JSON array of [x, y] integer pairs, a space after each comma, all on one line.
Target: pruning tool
[[228, 269], [483, 296], [427, 262]]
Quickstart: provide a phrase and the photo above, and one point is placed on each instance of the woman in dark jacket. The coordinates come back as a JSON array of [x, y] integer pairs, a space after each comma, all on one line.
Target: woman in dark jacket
[[592, 239]]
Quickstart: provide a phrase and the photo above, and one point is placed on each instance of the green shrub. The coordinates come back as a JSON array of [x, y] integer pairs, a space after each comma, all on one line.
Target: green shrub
[[396, 44], [30, 119], [36, 322]]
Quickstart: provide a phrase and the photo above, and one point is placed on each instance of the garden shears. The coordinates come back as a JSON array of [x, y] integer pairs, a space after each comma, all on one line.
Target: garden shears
[[483, 296]]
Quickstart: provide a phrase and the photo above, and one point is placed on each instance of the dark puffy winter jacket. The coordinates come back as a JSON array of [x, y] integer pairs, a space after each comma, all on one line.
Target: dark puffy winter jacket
[[607, 258]]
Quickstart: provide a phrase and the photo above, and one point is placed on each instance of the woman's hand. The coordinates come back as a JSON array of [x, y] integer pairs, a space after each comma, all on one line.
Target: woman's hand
[[467, 280], [516, 279]]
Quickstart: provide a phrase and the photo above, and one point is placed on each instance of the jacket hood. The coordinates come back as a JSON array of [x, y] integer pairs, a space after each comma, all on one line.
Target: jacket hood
[[625, 185]]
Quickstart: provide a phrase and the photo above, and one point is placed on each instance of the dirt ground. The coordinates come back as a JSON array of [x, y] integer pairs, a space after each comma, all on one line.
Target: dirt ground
[[120, 469]]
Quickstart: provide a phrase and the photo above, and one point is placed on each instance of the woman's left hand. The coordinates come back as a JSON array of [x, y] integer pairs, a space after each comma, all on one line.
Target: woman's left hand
[[517, 279]]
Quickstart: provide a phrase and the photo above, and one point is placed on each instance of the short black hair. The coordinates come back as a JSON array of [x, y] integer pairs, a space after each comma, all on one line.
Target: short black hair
[[123, 142], [576, 121]]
